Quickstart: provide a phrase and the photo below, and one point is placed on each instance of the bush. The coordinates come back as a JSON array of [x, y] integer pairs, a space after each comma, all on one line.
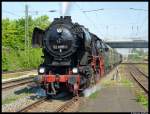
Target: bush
[[16, 60], [13, 42]]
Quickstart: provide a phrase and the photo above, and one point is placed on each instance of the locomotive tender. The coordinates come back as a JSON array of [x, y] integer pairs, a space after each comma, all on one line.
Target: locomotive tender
[[74, 58]]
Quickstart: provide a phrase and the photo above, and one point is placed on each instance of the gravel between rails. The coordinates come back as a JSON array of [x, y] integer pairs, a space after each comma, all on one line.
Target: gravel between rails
[[139, 78], [52, 105], [70, 106], [15, 106], [24, 95], [48, 106]]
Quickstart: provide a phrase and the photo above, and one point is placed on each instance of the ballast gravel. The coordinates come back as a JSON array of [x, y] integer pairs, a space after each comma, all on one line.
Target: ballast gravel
[[22, 101]]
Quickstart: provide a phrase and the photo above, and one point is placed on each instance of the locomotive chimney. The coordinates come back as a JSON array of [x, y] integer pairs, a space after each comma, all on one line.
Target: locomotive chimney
[[56, 19], [68, 18]]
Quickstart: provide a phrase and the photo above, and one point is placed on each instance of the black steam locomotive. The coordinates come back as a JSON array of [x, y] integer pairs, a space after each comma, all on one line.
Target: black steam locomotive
[[73, 57]]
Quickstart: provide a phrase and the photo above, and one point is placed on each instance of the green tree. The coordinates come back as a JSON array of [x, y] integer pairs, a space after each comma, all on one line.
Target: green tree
[[13, 43]]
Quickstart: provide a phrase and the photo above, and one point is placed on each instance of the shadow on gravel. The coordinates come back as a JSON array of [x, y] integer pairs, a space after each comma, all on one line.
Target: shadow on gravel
[[26, 90], [29, 90], [37, 93], [63, 96], [35, 97]]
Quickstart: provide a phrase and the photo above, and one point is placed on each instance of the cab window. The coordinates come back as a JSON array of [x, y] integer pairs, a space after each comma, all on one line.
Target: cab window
[[87, 35], [99, 46]]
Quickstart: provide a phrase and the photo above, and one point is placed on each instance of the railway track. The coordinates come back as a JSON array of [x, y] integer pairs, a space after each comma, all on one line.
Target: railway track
[[17, 71], [139, 78], [68, 104], [15, 83], [134, 63], [60, 107], [29, 107], [141, 72]]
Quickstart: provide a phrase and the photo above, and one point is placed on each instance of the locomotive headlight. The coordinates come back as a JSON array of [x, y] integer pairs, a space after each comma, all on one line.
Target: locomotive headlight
[[75, 70], [59, 30], [42, 70]]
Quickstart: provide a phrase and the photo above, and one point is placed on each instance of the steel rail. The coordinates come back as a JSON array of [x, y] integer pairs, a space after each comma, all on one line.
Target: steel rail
[[29, 107], [15, 83], [67, 104], [145, 89], [141, 72], [132, 63], [17, 71], [135, 77]]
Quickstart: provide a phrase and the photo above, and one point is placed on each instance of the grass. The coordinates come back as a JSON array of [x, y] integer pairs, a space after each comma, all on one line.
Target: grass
[[109, 83], [123, 81], [18, 95], [94, 95], [9, 100], [6, 76], [126, 82], [14, 75], [12, 98], [142, 99], [143, 68], [140, 95]]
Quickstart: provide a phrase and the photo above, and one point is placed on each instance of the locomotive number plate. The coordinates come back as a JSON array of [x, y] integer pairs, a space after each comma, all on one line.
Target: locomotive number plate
[[60, 46]]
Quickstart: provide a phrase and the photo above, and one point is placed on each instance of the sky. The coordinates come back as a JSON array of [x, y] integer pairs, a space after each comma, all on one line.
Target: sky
[[116, 21]]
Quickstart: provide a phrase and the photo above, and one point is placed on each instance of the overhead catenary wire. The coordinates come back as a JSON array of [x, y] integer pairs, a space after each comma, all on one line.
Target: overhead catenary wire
[[110, 9], [88, 18], [138, 9], [120, 9], [140, 27], [30, 11], [93, 10], [12, 13]]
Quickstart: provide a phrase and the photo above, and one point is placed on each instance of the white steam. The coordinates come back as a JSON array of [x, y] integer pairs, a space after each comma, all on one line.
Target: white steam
[[65, 8], [88, 91]]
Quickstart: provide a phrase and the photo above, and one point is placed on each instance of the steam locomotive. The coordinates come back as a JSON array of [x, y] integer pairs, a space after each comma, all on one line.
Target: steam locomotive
[[74, 58]]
